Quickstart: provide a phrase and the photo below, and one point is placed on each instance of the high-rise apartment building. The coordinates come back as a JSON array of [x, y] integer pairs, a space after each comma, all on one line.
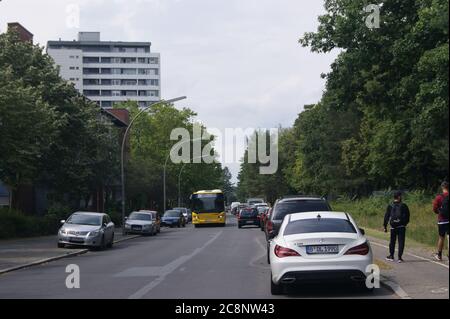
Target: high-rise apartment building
[[109, 72]]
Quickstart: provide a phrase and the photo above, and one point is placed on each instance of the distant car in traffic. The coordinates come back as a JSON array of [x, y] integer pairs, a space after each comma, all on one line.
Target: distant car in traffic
[[291, 205], [186, 214], [173, 218], [87, 229], [319, 247], [262, 213], [248, 217], [142, 222], [253, 201]]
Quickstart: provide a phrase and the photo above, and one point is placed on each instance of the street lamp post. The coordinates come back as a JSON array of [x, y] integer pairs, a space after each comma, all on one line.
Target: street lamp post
[[122, 157], [165, 169], [179, 178]]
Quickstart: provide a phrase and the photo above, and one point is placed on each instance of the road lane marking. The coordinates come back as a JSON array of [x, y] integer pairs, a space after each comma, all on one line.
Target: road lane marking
[[253, 263], [170, 268], [413, 255], [396, 288]]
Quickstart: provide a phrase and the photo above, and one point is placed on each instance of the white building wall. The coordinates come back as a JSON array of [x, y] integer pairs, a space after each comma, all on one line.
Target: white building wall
[[73, 67], [70, 63]]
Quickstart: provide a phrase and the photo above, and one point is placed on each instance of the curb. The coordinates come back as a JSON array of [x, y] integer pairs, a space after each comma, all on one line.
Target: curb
[[47, 260]]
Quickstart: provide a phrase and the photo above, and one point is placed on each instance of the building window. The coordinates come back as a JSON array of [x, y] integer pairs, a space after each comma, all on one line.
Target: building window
[[91, 60], [129, 93], [106, 71], [91, 71], [116, 82], [129, 71], [107, 104], [129, 82], [91, 92], [116, 93], [90, 82], [154, 61]]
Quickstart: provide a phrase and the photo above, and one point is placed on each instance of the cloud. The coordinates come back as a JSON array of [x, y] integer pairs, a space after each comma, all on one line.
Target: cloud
[[239, 62]]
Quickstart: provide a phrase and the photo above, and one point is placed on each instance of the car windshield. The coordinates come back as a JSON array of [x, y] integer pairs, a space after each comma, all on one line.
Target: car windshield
[[249, 212], [172, 213], [299, 206], [140, 216], [319, 225], [85, 219], [262, 209]]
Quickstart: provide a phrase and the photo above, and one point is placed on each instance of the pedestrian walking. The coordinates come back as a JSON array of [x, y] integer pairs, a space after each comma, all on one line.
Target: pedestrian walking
[[440, 207], [397, 216]]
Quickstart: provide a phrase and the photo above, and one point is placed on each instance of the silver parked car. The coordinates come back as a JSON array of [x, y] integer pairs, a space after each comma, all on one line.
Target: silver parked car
[[142, 222], [87, 229]]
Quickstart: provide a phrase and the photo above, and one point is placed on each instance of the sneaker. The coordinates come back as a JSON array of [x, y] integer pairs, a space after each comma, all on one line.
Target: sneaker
[[390, 258], [401, 261], [437, 257]]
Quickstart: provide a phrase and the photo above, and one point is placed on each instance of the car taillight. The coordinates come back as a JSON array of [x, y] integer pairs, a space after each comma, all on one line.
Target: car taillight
[[359, 250], [269, 226], [282, 252]]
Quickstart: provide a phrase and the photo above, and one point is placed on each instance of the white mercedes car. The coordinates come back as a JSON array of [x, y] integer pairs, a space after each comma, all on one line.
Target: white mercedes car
[[318, 247]]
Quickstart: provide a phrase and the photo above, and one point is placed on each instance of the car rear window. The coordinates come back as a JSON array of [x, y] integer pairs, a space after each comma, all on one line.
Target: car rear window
[[323, 225], [249, 212], [299, 206]]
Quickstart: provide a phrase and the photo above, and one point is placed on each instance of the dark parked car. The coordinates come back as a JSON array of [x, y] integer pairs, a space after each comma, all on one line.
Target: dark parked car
[[173, 218], [248, 217], [291, 205]]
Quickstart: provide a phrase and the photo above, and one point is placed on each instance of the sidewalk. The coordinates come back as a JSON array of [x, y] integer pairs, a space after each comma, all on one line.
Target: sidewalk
[[19, 253], [420, 277]]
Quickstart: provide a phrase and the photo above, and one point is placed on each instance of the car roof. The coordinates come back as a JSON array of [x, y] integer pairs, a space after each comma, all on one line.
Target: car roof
[[300, 198], [313, 215], [89, 213], [145, 212]]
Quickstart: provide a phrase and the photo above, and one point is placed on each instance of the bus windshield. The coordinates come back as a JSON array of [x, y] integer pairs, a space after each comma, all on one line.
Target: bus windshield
[[208, 203]]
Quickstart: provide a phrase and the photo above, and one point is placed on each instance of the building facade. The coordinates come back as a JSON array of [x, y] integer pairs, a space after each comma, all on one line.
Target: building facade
[[109, 72]]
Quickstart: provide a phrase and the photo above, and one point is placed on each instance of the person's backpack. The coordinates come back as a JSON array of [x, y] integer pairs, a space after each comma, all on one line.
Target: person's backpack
[[443, 210], [396, 215]]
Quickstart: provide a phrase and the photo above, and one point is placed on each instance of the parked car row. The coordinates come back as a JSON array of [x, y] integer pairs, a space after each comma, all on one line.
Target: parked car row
[[96, 230]]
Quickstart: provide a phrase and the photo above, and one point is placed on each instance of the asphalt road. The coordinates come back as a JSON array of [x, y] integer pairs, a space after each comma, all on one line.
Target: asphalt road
[[187, 263]]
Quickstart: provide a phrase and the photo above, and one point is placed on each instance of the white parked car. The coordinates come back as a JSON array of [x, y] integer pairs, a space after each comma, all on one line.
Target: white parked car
[[318, 247]]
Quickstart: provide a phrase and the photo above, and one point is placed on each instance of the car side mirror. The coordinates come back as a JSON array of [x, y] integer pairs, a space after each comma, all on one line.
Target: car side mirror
[[362, 231], [126, 218], [271, 235], [105, 225], [62, 221]]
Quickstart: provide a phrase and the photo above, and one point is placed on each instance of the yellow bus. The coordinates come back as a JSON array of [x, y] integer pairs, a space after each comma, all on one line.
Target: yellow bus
[[208, 208]]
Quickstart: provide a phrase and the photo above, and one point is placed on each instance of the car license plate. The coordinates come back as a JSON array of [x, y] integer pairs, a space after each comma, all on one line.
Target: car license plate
[[322, 250]]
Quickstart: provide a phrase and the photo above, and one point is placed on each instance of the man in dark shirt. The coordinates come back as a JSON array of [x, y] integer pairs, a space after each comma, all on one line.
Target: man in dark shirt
[[397, 216]]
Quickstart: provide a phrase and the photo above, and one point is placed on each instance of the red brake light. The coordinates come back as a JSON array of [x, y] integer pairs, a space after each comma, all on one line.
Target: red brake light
[[359, 250], [269, 226], [282, 252]]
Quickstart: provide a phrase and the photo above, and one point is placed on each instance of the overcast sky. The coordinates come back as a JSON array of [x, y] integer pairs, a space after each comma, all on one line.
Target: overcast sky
[[238, 61]]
